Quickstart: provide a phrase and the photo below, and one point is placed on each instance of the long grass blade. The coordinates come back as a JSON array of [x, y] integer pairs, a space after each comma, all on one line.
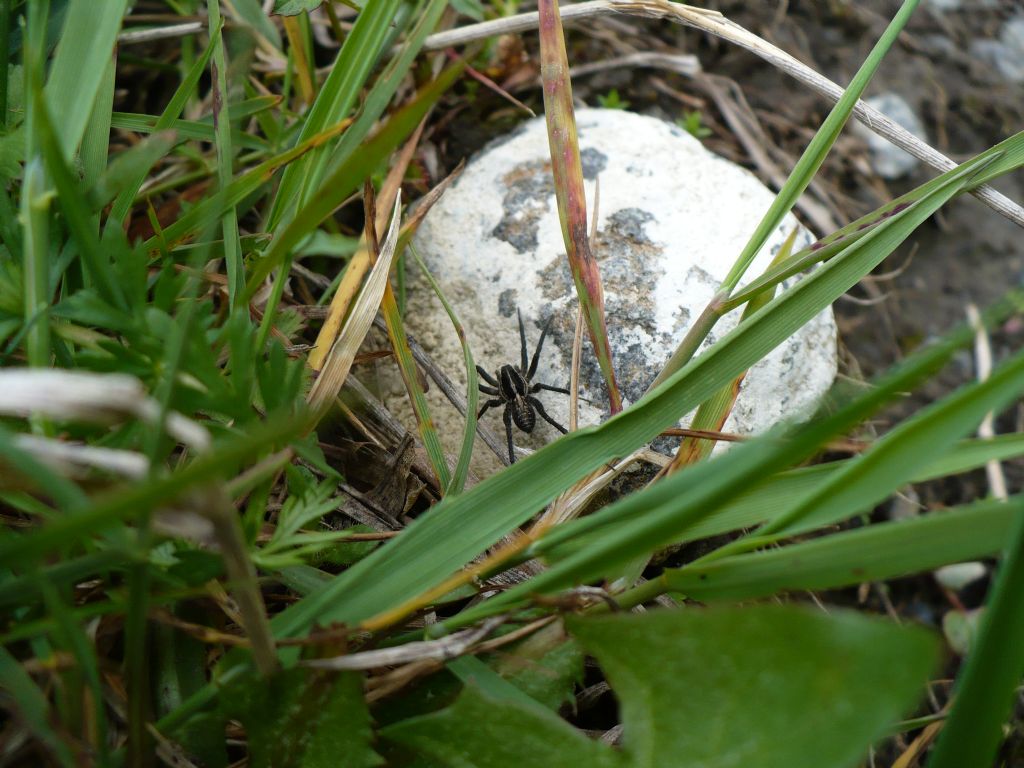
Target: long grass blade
[[123, 203], [472, 381], [349, 177], [333, 104], [570, 195], [802, 174], [894, 459], [874, 553], [79, 66]]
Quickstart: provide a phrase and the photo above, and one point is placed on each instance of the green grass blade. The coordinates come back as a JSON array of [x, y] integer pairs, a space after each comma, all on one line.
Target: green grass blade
[[812, 158], [808, 164], [386, 85], [35, 212], [984, 693], [96, 140], [472, 382], [32, 707], [875, 553], [333, 103], [80, 65], [79, 218], [895, 458], [123, 203], [225, 157], [567, 170], [212, 208], [1005, 156], [774, 498], [407, 367], [196, 130], [348, 178]]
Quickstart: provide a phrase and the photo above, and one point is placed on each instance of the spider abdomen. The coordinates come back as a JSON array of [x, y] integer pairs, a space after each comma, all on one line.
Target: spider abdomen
[[523, 414]]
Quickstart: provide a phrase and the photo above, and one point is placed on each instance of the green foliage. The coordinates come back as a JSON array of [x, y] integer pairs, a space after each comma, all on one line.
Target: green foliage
[[692, 123], [163, 241], [612, 100], [769, 686], [303, 719], [295, 7]]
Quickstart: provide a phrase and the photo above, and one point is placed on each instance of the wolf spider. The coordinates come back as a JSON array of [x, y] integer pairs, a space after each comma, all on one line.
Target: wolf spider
[[512, 388]]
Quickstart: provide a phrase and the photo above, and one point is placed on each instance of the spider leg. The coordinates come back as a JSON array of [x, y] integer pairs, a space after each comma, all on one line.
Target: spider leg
[[544, 414], [487, 377], [540, 346], [487, 390], [549, 388], [507, 418], [522, 340], [488, 404]]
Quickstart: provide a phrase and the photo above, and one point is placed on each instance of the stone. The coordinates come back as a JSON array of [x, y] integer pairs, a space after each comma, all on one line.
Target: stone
[[673, 217], [888, 160], [1005, 55]]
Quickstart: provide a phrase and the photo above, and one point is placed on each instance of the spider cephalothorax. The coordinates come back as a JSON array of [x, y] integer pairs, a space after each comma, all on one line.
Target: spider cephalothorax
[[512, 388]]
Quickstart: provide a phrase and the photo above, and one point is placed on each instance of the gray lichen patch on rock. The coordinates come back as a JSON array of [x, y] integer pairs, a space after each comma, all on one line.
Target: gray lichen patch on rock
[[529, 187], [673, 217]]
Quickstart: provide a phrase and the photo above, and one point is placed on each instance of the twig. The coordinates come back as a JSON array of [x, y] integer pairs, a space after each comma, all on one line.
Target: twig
[[160, 33], [983, 358], [716, 24], [445, 649]]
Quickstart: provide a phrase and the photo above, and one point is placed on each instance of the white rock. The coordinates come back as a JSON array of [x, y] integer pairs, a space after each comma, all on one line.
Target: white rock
[[888, 160], [673, 217], [959, 575]]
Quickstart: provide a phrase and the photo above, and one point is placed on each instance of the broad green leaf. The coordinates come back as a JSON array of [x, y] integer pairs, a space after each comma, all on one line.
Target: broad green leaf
[[301, 718], [765, 686], [479, 731], [873, 553], [546, 666]]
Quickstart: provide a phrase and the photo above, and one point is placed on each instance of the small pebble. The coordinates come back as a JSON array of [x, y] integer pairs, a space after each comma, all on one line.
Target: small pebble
[[959, 575], [888, 160]]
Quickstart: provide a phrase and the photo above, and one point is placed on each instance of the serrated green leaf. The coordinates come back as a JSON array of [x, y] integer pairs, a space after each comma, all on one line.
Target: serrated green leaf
[[767, 686]]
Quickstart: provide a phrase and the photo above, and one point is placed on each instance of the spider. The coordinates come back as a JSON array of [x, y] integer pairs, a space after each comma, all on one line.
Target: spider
[[512, 388]]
